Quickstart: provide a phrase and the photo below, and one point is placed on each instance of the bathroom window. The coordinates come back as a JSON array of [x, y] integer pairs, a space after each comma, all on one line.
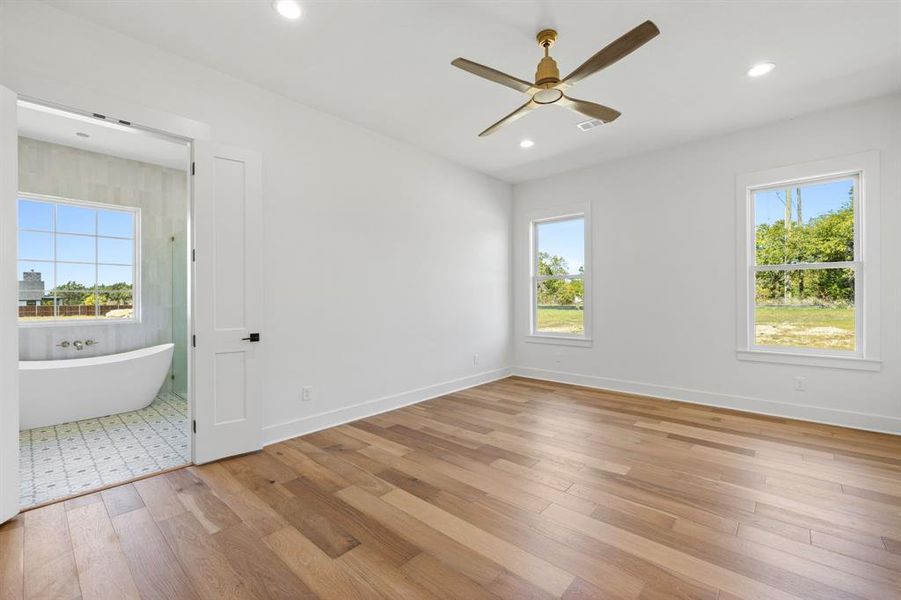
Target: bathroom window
[[78, 261]]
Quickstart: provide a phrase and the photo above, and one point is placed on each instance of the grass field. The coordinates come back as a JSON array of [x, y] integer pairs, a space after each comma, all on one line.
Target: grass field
[[806, 326], [560, 320]]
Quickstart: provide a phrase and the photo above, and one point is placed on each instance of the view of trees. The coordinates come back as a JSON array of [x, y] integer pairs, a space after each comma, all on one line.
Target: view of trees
[[74, 294], [828, 237], [558, 292]]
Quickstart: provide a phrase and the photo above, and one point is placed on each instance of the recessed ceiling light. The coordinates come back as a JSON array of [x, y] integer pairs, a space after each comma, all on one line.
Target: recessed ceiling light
[[82, 134], [289, 9], [761, 69], [526, 144]]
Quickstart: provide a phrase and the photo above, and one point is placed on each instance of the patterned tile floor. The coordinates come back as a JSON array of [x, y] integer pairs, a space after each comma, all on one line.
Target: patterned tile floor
[[66, 459]]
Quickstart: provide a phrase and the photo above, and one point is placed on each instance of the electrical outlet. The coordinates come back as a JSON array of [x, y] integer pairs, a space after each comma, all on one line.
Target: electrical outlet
[[306, 393], [475, 358], [800, 384]]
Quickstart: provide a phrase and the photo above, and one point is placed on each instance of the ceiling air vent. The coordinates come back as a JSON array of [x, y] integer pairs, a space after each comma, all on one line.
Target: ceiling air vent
[[589, 124]]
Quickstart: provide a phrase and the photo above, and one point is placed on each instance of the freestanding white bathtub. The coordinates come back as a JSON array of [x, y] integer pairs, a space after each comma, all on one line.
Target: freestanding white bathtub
[[59, 391]]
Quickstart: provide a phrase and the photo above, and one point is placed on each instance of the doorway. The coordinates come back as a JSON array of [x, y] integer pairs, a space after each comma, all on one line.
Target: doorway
[[103, 303]]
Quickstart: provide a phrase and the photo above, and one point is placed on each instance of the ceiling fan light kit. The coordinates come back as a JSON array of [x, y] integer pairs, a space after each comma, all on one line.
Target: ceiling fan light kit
[[549, 88]]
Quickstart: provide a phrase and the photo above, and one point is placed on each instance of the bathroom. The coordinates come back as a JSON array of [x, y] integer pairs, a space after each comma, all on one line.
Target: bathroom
[[103, 270]]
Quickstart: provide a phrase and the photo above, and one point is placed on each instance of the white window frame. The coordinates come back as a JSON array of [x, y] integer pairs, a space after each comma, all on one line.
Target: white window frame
[[136, 286], [549, 216], [865, 167]]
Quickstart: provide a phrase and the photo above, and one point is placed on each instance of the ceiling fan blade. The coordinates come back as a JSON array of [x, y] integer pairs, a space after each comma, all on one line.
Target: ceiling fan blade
[[612, 52], [590, 109], [516, 114], [492, 75]]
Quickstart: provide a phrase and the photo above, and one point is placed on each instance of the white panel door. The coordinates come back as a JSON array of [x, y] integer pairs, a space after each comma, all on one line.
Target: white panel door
[[9, 348], [227, 301]]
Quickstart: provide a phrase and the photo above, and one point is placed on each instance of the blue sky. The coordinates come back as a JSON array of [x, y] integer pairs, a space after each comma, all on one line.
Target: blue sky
[[74, 239], [564, 238], [816, 199]]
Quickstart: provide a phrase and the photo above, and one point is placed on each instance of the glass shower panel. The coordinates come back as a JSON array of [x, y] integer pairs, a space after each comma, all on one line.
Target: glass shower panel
[[180, 313]]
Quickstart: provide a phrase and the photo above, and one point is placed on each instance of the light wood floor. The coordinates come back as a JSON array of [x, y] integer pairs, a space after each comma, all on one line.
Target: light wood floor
[[516, 489]]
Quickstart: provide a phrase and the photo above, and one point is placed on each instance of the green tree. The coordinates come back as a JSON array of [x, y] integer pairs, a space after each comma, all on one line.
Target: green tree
[[826, 238], [556, 292], [118, 293], [71, 293]]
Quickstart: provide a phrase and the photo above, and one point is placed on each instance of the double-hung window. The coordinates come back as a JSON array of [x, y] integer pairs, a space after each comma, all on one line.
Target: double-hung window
[[807, 290], [560, 278], [78, 261]]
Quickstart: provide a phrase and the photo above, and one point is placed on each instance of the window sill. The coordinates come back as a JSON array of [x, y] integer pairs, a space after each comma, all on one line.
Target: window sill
[[559, 340], [810, 360]]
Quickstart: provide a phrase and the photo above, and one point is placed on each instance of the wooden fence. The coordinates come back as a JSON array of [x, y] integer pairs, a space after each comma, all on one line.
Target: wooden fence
[[68, 310]]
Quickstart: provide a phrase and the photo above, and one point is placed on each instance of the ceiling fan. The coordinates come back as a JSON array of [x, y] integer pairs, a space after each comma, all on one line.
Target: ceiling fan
[[549, 88]]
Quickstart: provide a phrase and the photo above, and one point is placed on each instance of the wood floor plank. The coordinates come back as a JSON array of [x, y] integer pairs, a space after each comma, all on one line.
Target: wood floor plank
[[210, 511], [665, 556], [375, 440], [121, 499], [12, 544], [327, 578], [159, 497], [249, 507], [384, 577], [443, 581], [50, 570], [833, 560], [156, 571], [203, 561], [102, 569], [393, 547], [349, 472], [258, 568], [514, 489], [446, 549], [531, 568], [330, 537]]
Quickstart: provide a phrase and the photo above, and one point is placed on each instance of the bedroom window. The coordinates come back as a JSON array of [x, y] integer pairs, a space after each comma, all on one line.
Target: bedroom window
[[560, 278], [807, 286], [77, 261]]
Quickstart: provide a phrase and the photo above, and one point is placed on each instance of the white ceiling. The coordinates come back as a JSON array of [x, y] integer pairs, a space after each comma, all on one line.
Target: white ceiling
[[385, 65], [50, 125]]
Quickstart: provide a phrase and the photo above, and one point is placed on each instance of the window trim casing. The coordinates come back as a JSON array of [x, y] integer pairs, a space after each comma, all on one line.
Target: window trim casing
[[136, 287], [866, 262], [562, 213]]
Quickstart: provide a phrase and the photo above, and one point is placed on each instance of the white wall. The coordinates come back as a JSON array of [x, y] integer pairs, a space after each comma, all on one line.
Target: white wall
[[386, 268], [664, 272]]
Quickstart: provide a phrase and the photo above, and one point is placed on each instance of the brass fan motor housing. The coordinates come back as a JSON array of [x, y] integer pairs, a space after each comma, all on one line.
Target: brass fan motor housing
[[547, 72]]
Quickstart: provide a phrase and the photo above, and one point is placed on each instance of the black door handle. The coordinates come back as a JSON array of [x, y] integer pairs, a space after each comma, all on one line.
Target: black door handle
[[254, 337]]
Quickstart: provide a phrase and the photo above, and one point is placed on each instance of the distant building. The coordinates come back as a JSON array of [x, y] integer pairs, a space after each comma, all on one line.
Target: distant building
[[31, 288]]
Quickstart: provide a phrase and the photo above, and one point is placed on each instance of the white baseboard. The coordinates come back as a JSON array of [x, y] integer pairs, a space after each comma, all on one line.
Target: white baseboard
[[332, 418], [816, 414]]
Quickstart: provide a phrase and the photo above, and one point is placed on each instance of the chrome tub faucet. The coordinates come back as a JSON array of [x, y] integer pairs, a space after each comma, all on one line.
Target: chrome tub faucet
[[77, 344]]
